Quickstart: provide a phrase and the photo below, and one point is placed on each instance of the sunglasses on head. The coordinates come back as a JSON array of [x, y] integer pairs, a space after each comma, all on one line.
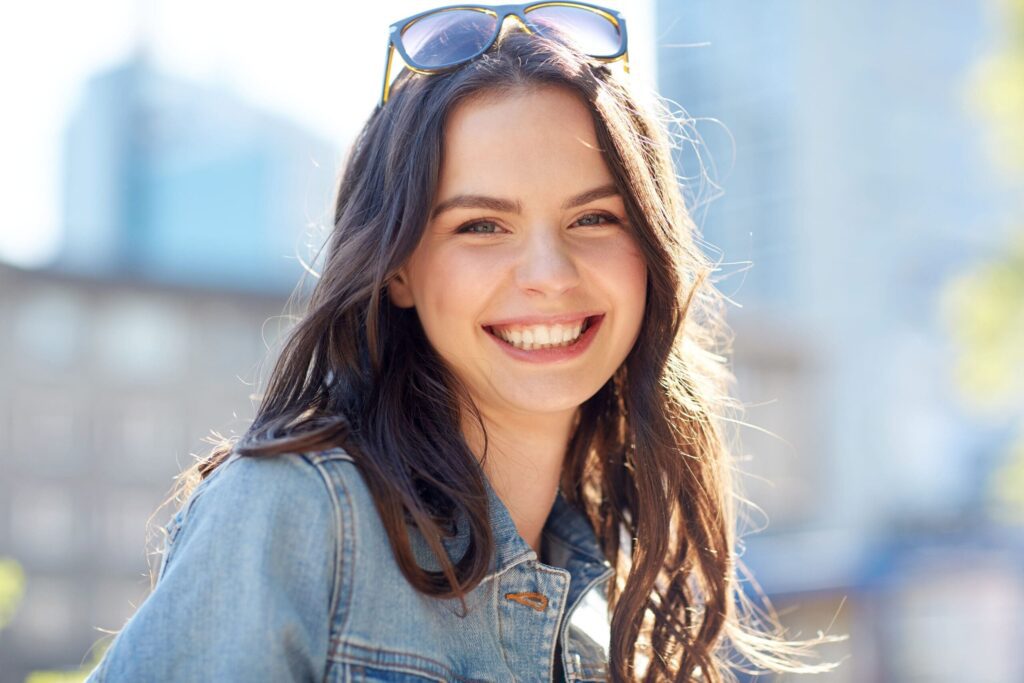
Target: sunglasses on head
[[441, 39]]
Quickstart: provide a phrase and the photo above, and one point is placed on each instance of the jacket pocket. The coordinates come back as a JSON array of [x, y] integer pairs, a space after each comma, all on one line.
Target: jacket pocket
[[360, 673], [375, 664]]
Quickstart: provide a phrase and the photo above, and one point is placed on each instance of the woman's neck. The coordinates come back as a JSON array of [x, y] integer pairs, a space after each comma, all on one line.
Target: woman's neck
[[524, 461]]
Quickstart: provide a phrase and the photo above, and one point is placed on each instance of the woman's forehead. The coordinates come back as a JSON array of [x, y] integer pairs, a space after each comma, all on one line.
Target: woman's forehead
[[528, 110], [524, 138]]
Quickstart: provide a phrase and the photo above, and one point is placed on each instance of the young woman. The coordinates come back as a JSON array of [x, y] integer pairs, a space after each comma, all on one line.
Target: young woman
[[492, 449]]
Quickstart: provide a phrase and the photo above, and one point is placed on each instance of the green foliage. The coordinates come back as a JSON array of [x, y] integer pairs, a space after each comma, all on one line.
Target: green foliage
[[58, 676], [1007, 485], [984, 308], [71, 675], [12, 587], [996, 90]]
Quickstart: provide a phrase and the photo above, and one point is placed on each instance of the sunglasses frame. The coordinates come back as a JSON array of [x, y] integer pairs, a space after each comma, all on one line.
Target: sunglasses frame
[[502, 12]]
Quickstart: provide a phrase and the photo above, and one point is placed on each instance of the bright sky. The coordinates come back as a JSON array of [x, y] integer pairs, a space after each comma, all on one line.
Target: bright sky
[[320, 63]]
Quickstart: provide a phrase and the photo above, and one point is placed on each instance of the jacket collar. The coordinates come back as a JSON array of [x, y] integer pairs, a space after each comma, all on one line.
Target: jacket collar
[[568, 538], [568, 526], [569, 542]]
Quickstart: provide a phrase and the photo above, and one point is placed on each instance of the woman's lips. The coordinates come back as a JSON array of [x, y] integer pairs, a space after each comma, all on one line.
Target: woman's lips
[[564, 319], [554, 354]]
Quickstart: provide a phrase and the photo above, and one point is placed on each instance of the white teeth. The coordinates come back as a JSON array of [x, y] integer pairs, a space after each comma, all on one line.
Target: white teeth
[[541, 336]]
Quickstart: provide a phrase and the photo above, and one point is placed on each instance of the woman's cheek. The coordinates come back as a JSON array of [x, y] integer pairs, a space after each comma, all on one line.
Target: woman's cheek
[[459, 280], [619, 258]]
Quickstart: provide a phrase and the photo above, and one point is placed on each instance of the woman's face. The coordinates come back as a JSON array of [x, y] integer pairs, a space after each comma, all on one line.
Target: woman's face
[[526, 242]]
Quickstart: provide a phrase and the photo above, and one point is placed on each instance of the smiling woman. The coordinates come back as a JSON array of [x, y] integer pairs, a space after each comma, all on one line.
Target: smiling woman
[[535, 315], [559, 258], [493, 447]]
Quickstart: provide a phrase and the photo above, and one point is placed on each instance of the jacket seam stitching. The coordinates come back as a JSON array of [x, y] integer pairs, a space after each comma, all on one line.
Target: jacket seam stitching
[[419, 661], [340, 537], [176, 526], [407, 668]]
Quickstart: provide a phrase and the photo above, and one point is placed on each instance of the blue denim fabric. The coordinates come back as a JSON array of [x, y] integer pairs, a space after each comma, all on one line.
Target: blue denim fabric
[[279, 569]]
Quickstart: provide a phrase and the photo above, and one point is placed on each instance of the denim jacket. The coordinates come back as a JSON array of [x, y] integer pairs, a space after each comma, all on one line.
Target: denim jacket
[[279, 569]]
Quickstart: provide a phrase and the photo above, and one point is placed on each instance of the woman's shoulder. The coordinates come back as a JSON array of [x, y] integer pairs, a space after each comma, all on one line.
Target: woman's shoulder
[[270, 489], [272, 497], [256, 504], [254, 572], [274, 481]]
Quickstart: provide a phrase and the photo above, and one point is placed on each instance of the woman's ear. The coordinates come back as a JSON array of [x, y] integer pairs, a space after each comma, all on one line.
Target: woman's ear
[[399, 291]]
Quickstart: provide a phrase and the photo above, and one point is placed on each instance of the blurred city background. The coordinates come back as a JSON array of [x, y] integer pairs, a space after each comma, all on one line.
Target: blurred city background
[[857, 168]]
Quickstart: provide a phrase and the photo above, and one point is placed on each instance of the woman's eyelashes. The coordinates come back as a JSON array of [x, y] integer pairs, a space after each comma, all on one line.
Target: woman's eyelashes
[[587, 220], [492, 228], [468, 228]]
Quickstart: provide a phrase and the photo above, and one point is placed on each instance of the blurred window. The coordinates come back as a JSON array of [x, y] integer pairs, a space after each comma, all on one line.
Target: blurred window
[[141, 339], [43, 528], [48, 327], [46, 431]]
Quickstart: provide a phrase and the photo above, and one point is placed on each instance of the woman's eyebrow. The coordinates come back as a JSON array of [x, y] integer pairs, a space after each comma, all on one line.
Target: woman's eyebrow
[[477, 201]]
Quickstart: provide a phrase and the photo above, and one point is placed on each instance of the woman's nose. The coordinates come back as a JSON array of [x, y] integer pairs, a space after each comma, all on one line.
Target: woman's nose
[[547, 265]]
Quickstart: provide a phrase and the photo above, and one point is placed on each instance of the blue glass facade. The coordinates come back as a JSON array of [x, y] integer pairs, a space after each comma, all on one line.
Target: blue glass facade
[[182, 183]]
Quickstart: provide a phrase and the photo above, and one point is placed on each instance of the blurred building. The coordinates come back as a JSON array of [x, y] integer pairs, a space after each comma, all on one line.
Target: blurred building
[[847, 183], [851, 187], [108, 387], [172, 181], [186, 210]]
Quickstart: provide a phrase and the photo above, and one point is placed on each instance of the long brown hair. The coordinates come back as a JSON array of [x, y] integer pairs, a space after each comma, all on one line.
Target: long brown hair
[[649, 460]]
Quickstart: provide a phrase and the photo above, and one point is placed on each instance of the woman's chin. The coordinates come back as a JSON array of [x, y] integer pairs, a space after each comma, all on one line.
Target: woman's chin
[[549, 404]]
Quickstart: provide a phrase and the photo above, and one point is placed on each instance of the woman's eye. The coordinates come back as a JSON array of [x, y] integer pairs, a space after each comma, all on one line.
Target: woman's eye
[[595, 218], [485, 228], [492, 228]]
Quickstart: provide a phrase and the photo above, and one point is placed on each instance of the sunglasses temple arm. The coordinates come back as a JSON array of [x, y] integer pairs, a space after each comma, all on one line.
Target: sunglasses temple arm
[[385, 90]]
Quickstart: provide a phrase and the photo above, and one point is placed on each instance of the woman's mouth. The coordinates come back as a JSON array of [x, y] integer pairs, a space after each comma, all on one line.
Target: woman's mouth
[[544, 343]]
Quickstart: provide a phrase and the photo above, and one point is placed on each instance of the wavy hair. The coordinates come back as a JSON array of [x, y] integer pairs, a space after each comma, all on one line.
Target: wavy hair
[[648, 461]]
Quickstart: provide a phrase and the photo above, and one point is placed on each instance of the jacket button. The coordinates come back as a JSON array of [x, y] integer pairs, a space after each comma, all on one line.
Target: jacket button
[[537, 601]]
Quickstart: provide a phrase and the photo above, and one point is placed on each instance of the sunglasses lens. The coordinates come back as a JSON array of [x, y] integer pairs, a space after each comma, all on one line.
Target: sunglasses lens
[[448, 37], [591, 32]]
